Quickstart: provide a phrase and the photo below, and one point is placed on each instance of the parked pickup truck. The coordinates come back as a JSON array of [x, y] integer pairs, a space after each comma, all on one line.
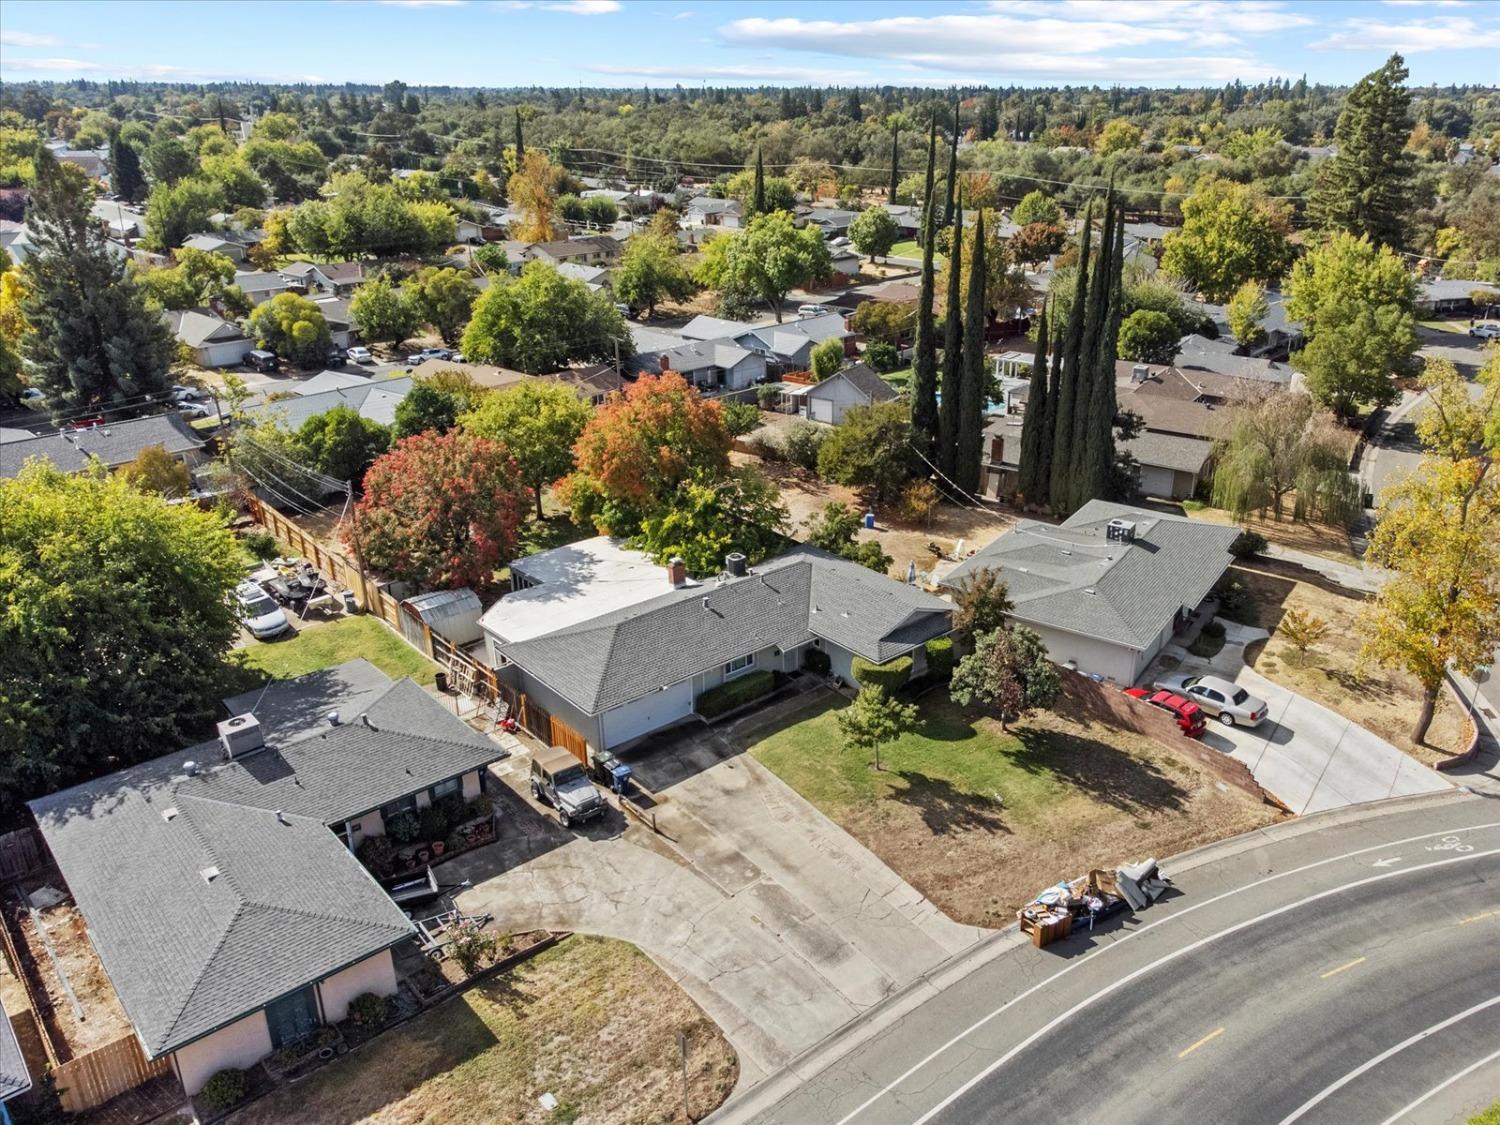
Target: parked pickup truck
[[560, 780]]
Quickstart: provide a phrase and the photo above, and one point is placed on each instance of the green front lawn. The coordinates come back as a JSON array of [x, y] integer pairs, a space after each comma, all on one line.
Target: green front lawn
[[979, 819], [322, 646]]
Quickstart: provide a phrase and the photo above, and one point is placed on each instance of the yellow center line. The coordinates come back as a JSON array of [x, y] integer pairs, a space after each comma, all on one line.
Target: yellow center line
[[1480, 917], [1210, 1036], [1341, 968]]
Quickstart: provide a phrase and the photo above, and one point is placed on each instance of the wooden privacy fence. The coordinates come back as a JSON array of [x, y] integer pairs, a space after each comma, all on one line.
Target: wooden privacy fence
[[22, 853], [94, 1078]]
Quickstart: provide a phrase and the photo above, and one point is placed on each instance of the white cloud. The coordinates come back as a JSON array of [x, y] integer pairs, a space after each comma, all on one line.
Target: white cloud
[[67, 66], [420, 3], [27, 39], [684, 15], [1426, 3], [1448, 34], [1251, 17], [582, 7]]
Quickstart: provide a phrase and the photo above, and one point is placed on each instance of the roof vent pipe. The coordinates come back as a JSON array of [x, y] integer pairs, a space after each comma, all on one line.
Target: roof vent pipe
[[281, 818], [333, 718]]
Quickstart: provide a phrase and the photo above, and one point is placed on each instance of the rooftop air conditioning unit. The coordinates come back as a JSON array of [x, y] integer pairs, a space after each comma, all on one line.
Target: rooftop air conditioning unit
[[1120, 531], [241, 735], [1139, 373]]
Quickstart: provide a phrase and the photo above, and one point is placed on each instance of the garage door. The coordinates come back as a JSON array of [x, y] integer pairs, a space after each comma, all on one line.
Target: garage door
[[822, 410], [649, 713], [1156, 481]]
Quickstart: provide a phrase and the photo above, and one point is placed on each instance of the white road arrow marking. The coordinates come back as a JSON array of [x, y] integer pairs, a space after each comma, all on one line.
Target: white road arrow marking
[[1386, 862]]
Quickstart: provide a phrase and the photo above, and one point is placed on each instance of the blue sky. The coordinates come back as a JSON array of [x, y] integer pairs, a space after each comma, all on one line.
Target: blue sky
[[630, 42]]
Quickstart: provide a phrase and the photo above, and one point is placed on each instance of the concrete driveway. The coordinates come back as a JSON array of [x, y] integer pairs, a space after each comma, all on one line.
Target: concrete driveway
[[1311, 758], [776, 922]]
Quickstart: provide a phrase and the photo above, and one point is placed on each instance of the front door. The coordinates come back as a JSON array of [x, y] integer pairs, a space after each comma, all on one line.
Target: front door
[[292, 1017]]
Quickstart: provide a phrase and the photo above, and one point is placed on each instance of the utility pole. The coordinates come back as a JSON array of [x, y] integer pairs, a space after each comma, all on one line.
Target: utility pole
[[359, 551]]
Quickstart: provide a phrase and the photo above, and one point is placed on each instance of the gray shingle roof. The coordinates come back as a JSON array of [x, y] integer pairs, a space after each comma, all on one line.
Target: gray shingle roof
[[289, 904], [615, 658], [377, 402], [1218, 355], [1169, 451], [196, 327], [1073, 578], [14, 1077], [863, 378], [117, 443]]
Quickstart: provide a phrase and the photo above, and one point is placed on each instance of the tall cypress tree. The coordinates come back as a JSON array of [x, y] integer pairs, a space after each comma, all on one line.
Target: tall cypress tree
[[94, 342], [952, 188], [924, 406], [1036, 441], [1066, 386], [125, 171], [1087, 384], [758, 196], [953, 336], [1104, 404], [895, 160], [520, 143], [975, 381]]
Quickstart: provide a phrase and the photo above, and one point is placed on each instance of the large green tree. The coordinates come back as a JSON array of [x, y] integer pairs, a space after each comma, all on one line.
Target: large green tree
[[343, 444], [1278, 445], [924, 401], [651, 271], [769, 258], [444, 298], [115, 620], [1036, 438], [950, 401], [293, 327], [93, 340], [1147, 336], [198, 278], [836, 530], [426, 406], [126, 177], [175, 212], [872, 449], [1357, 305], [974, 386], [874, 232], [1230, 234], [541, 321], [539, 422], [1009, 672], [1366, 188], [384, 313], [708, 518]]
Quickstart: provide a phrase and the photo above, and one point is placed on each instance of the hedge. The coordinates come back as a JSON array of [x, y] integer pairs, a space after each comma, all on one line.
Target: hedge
[[890, 675], [736, 693], [940, 657], [816, 661], [226, 1088]]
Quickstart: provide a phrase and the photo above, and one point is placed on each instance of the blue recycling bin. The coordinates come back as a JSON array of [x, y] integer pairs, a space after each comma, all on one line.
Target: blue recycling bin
[[870, 520]]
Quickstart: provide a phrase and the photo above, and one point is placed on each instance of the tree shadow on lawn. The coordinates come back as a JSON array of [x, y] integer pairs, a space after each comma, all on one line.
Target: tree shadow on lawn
[[1098, 770], [946, 809]]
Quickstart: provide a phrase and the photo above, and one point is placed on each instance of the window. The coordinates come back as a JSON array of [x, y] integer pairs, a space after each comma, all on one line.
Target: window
[[735, 667], [390, 811], [446, 788]]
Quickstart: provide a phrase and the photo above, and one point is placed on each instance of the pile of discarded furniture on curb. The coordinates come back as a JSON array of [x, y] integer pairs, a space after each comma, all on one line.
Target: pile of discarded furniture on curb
[[1091, 898]]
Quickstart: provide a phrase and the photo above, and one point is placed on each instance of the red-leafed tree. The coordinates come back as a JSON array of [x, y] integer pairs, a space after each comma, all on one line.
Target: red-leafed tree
[[441, 511], [638, 448]]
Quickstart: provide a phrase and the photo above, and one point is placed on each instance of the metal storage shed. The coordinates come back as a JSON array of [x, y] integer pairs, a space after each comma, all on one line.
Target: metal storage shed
[[452, 614]]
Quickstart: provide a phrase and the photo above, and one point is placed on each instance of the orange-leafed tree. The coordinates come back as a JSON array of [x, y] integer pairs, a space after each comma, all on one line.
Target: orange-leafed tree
[[533, 189], [441, 511], [638, 448]]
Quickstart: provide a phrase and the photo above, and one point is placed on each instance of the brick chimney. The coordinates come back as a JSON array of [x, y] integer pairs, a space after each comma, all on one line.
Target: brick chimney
[[676, 571]]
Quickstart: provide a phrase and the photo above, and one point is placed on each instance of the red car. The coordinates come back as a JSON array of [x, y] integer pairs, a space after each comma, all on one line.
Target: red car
[[1189, 715]]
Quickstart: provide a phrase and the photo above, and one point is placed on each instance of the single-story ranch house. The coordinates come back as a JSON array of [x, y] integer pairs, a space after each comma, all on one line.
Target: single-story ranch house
[[1107, 589], [219, 884], [618, 647], [114, 443]]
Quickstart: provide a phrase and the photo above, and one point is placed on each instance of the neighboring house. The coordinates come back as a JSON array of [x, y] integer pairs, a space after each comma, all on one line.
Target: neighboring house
[[330, 380], [592, 382], [15, 1078], [703, 211], [339, 279], [340, 323], [93, 161], [15, 240], [617, 647], [470, 232], [789, 346], [1200, 353], [598, 250], [260, 285], [1282, 335], [116, 444], [1108, 588], [711, 365], [714, 328], [218, 883], [844, 260], [121, 220], [595, 277], [217, 244], [832, 221], [908, 218], [1445, 297], [830, 400], [375, 399], [216, 342]]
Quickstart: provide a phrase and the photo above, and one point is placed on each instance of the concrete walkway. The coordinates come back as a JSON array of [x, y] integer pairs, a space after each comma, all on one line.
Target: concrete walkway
[[777, 923], [1311, 758]]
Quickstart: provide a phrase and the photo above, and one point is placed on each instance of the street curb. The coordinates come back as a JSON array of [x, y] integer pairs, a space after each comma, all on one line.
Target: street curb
[[872, 1022]]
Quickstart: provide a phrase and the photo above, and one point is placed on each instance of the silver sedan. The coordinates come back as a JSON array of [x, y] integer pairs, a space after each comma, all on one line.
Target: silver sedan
[[1231, 704]]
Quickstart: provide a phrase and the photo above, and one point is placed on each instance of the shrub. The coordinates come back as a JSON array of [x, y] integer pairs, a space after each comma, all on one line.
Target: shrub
[[404, 829], [766, 396], [378, 854], [1248, 544], [801, 445], [262, 545], [816, 661], [940, 657], [367, 1010], [472, 947], [889, 676], [433, 824], [225, 1089], [453, 807], [882, 357], [1235, 601], [477, 807], [736, 693], [764, 446], [1209, 641]]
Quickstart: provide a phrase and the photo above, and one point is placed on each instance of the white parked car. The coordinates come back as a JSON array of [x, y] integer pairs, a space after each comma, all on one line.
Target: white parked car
[[1227, 701], [1486, 331], [195, 409], [262, 616], [361, 355], [187, 394]]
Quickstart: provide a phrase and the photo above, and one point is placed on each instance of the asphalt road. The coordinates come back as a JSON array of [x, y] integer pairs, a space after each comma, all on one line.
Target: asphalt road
[[1334, 969]]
